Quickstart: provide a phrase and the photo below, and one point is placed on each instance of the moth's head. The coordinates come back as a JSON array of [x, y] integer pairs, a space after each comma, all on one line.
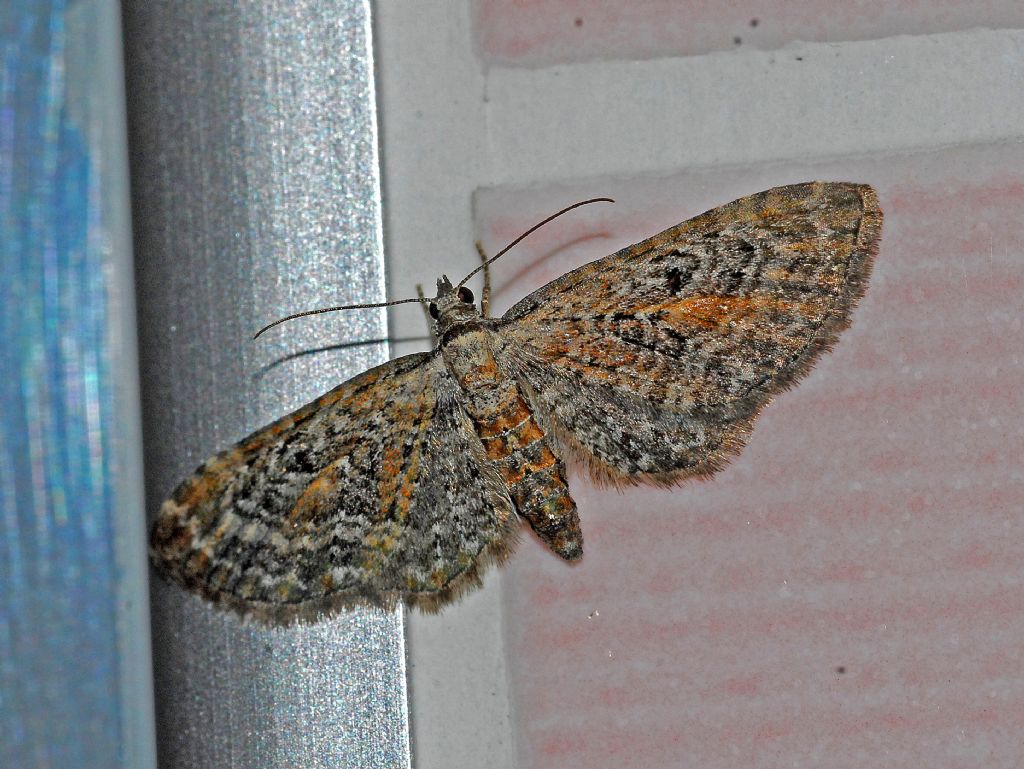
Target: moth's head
[[452, 306]]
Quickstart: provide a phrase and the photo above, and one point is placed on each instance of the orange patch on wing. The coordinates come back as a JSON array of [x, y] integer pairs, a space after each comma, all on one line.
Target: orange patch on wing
[[719, 311], [592, 372], [201, 489], [308, 504], [369, 397], [808, 246], [259, 441], [281, 425], [770, 214], [397, 486], [397, 481], [714, 311], [403, 495], [391, 463]]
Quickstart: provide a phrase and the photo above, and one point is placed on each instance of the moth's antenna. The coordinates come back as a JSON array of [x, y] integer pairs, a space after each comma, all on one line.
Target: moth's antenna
[[533, 229], [424, 300], [335, 309]]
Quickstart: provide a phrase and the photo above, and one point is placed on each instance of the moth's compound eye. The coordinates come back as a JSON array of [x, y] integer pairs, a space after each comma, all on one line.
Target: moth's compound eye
[[465, 295], [432, 309]]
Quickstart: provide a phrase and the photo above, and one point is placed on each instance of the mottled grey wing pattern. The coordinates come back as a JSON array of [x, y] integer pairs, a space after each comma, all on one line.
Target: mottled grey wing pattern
[[338, 502], [651, 364]]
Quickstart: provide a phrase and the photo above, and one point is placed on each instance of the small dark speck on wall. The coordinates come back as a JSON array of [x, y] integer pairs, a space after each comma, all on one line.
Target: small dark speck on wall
[[737, 40], [754, 22], [841, 669], [579, 21]]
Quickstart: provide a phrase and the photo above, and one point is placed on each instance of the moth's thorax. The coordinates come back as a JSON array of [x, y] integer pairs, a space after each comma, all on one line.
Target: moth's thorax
[[466, 349]]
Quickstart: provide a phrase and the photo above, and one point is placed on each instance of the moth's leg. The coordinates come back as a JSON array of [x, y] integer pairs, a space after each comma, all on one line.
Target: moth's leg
[[485, 296], [426, 314]]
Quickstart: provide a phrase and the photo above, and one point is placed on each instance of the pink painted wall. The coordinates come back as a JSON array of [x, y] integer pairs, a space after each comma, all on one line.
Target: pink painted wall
[[848, 592], [537, 32]]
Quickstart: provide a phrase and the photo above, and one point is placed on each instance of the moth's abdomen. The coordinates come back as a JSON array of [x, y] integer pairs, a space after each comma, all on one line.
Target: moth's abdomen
[[515, 444], [533, 474]]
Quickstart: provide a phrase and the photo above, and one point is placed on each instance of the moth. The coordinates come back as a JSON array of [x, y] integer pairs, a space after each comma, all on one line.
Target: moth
[[646, 366]]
